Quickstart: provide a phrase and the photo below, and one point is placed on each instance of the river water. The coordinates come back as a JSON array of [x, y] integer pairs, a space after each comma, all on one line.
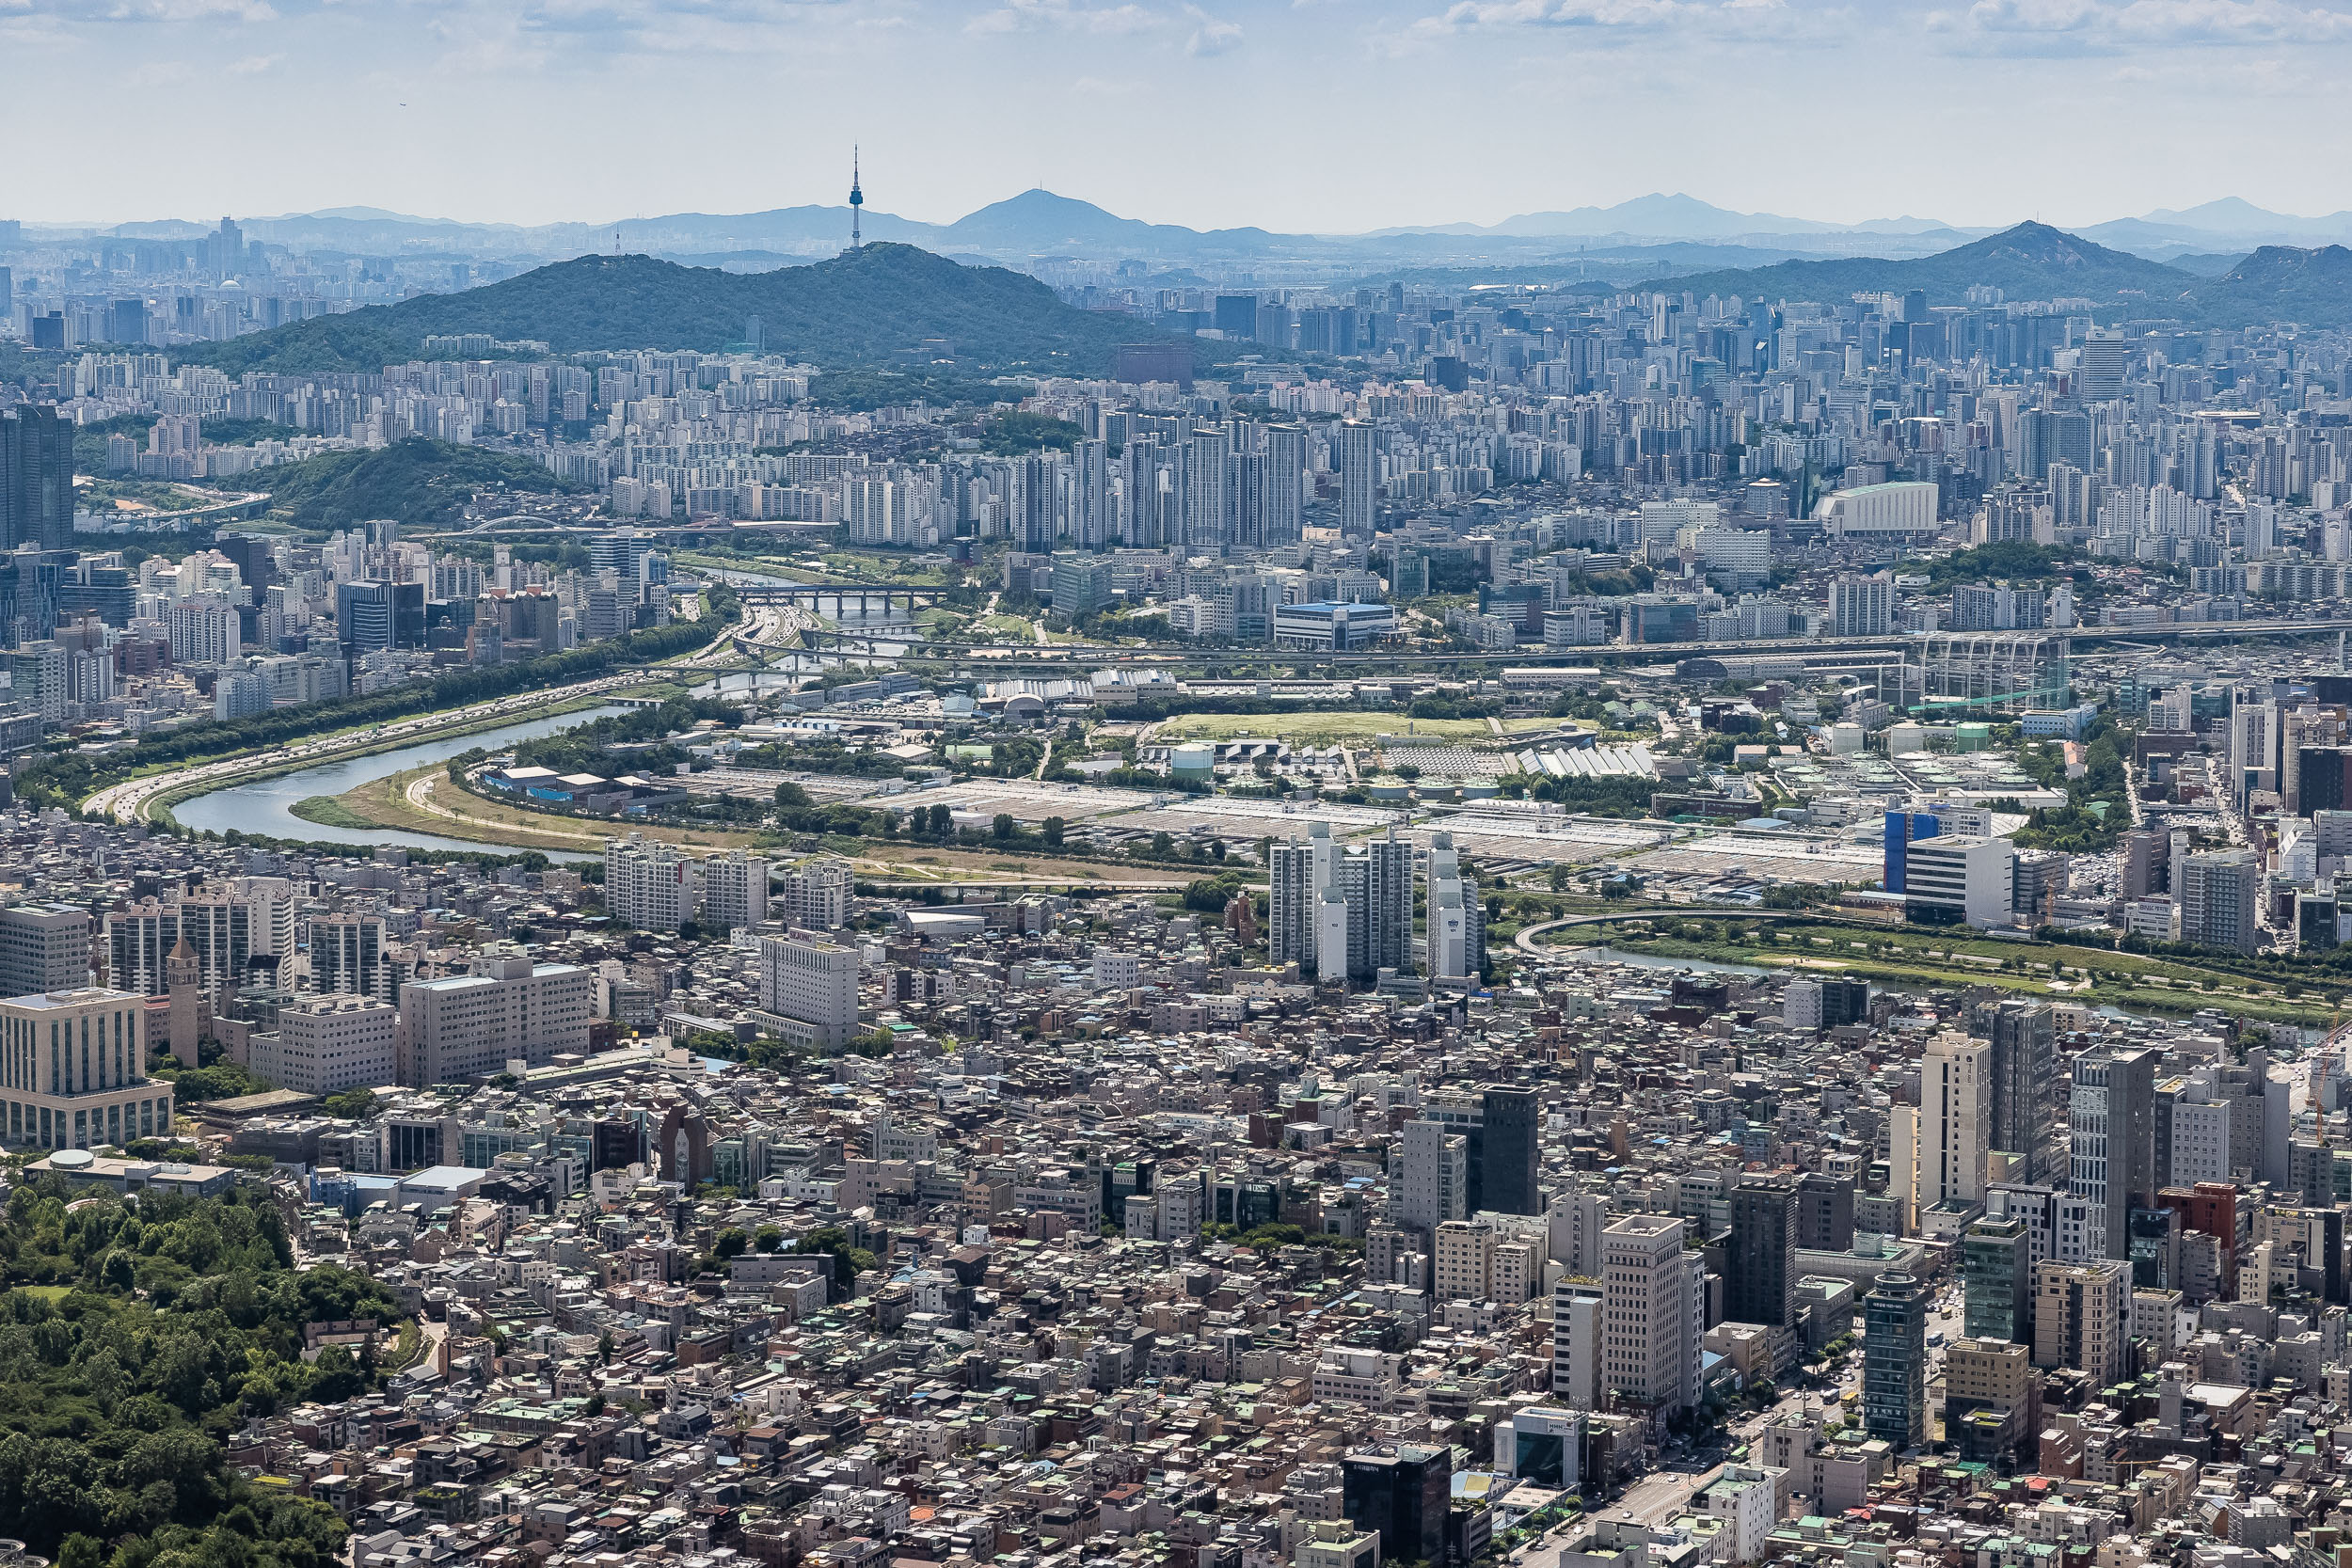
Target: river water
[[266, 805]]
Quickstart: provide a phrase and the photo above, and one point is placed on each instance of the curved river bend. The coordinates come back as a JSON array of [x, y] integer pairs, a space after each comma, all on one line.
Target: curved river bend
[[266, 805]]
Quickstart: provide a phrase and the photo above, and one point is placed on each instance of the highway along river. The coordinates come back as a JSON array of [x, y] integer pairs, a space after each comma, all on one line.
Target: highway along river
[[266, 805]]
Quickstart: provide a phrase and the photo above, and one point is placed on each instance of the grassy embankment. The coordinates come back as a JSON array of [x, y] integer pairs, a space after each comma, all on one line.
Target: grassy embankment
[[388, 802], [1943, 959]]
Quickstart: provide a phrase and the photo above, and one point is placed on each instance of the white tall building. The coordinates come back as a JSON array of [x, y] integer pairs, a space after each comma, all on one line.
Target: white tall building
[[204, 630], [325, 1044], [2218, 896], [1430, 1184], [1653, 1311], [811, 989], [347, 957], [1579, 1316], [649, 884], [1960, 878], [815, 894], [735, 891], [1954, 1119], [1293, 895], [469, 1026], [1454, 941], [1861, 606]]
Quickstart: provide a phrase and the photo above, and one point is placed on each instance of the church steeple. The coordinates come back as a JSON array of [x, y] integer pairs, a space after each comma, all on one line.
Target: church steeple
[[191, 1009]]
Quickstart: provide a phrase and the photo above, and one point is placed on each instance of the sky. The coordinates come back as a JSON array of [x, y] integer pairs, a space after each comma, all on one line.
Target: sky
[[1326, 116]]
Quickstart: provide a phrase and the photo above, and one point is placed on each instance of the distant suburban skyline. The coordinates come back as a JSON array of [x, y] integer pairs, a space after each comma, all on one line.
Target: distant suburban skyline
[[1333, 116]]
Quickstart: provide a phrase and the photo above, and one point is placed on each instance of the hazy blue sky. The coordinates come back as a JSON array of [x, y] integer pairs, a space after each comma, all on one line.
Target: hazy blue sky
[[1312, 114]]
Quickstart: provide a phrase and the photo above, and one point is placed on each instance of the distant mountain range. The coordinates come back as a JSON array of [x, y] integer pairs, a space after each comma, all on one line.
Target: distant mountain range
[[886, 306], [892, 306], [1038, 224], [2034, 260]]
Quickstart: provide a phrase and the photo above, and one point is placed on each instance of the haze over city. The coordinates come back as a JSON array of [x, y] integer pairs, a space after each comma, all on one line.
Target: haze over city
[[1322, 116]]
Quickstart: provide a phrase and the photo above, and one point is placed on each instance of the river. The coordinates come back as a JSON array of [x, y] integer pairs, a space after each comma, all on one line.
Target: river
[[266, 805]]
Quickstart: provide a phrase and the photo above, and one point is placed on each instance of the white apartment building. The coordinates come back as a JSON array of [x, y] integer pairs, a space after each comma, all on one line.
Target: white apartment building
[[469, 1026], [1117, 971], [1465, 1260], [811, 989], [327, 1044], [814, 895], [735, 891], [650, 884]]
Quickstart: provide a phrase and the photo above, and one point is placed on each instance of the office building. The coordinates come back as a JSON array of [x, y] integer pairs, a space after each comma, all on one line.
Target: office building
[[73, 1071], [1991, 1393], [2112, 1144], [35, 479], [372, 617], [2082, 1317], [1824, 1212], [1400, 1491], [1895, 1359], [1579, 1320], [467, 1028], [1430, 1182], [1463, 1260], [1997, 1273], [1541, 1445], [1511, 1136], [1760, 1263], [1652, 1314], [43, 947], [810, 989], [1955, 878], [325, 1044], [2101, 357], [1335, 628], [2023, 1037]]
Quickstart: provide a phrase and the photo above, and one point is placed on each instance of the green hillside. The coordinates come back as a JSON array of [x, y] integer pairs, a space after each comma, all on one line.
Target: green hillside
[[863, 310], [417, 481], [2284, 283], [2032, 260]]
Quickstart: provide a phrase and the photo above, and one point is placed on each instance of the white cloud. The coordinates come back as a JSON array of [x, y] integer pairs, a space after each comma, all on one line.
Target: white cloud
[[159, 73], [1765, 22], [2079, 27], [1067, 16], [255, 65], [1212, 36]]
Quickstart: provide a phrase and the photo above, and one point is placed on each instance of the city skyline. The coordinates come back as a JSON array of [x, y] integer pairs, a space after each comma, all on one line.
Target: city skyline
[[460, 103]]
